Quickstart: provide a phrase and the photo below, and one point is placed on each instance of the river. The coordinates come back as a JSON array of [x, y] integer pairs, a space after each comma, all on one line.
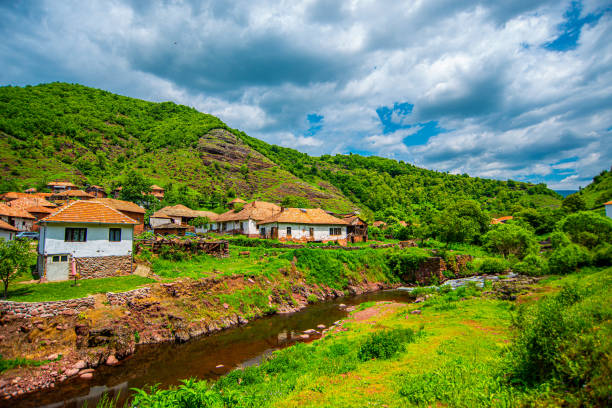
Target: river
[[167, 364]]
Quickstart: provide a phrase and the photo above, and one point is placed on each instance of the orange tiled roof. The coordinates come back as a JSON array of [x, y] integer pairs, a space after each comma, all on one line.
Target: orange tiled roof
[[122, 205], [89, 212], [43, 195], [304, 216], [237, 201], [30, 190], [608, 203], [7, 226], [156, 187], [255, 210], [14, 212], [26, 202], [12, 195], [61, 184], [73, 193], [40, 209], [501, 219]]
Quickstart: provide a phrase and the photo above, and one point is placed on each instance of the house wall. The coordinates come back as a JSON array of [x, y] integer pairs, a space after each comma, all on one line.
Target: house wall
[[249, 227], [609, 211], [97, 244], [154, 221], [138, 229], [7, 235], [211, 227], [302, 231], [22, 224]]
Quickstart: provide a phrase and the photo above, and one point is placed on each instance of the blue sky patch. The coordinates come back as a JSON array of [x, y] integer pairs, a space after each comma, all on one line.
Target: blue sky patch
[[389, 116], [428, 129], [315, 122], [571, 27]]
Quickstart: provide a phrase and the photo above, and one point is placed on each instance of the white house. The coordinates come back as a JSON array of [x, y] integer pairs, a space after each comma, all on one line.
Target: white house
[[7, 231], [182, 215], [17, 217], [608, 206], [303, 224], [96, 237], [244, 221]]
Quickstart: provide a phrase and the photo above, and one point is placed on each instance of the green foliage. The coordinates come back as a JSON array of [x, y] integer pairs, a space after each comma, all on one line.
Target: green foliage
[[532, 265], [542, 220], [8, 364], [587, 228], [135, 188], [295, 202], [492, 266], [385, 344], [510, 239], [405, 263], [568, 259], [200, 222], [573, 203], [462, 221], [558, 239], [565, 340], [599, 191], [602, 254], [15, 259]]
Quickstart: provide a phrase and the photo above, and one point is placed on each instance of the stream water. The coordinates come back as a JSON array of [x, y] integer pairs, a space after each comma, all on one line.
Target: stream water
[[167, 364]]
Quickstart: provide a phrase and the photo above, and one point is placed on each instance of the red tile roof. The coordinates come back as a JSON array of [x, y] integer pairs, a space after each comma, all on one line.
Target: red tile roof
[[89, 212], [255, 210], [31, 201], [14, 212], [7, 227], [61, 184], [315, 216], [608, 203], [41, 210], [73, 193], [121, 205], [12, 195]]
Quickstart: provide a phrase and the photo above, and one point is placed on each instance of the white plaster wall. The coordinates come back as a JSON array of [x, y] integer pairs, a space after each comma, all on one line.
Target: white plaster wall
[[609, 210], [97, 243], [158, 221], [7, 235], [299, 231], [22, 224], [211, 227]]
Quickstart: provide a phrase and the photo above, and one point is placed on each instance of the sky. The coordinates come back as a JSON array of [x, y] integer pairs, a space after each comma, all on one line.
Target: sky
[[518, 89]]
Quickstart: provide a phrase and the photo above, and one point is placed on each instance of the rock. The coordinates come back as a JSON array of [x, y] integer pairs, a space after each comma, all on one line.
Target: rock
[[416, 312], [71, 372], [86, 371], [321, 326], [181, 336], [81, 329], [351, 309], [251, 281], [40, 327], [80, 364], [341, 305], [225, 306], [112, 360], [86, 376], [420, 299], [310, 331], [52, 356], [304, 336], [219, 366]]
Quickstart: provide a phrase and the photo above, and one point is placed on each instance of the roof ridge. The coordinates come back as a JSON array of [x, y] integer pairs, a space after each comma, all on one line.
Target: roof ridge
[[115, 210]]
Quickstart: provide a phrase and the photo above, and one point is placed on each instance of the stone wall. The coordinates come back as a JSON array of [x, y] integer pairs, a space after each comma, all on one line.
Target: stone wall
[[122, 298], [104, 266], [24, 310]]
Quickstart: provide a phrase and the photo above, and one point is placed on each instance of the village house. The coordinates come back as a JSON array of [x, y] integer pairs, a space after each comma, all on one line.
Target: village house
[[67, 195], [157, 192], [244, 221], [35, 206], [30, 191], [236, 202], [7, 231], [501, 220], [17, 217], [12, 195], [169, 217], [379, 224], [303, 224], [116, 192], [132, 210], [96, 191], [356, 229], [96, 237], [59, 186], [608, 206]]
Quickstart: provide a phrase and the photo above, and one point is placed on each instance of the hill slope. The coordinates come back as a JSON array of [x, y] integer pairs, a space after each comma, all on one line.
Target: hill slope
[[599, 191], [85, 135]]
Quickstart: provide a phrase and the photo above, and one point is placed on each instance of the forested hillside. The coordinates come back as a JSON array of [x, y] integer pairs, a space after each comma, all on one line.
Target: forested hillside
[[85, 135], [599, 191]]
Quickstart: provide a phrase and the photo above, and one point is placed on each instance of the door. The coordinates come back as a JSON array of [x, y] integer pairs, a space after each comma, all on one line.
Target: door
[[58, 267], [274, 232], [311, 232]]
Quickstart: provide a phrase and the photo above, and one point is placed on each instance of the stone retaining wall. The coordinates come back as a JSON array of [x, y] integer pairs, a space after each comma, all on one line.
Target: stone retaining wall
[[25, 310], [122, 298], [104, 266]]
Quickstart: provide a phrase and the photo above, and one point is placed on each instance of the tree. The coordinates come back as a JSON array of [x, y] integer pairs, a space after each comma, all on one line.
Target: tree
[[14, 260], [508, 239], [135, 188], [587, 228], [295, 202], [462, 221], [200, 222], [573, 203]]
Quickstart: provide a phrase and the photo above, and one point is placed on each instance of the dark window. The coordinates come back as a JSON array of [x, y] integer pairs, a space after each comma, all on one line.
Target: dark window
[[331, 231], [262, 230], [76, 235], [64, 258], [288, 231], [114, 234], [335, 231], [56, 258]]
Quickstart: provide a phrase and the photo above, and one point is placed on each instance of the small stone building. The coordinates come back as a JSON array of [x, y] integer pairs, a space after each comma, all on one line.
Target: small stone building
[[303, 224], [96, 237]]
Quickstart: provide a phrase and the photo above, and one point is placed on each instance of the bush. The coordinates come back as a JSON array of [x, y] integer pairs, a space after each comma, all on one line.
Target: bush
[[558, 239], [587, 228], [385, 344], [602, 255], [510, 239], [568, 259], [531, 265], [492, 266]]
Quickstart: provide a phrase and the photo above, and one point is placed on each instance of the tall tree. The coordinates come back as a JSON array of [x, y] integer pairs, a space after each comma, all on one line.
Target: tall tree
[[14, 260]]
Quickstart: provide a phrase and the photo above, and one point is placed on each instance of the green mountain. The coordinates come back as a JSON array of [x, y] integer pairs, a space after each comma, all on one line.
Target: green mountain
[[85, 135], [599, 191]]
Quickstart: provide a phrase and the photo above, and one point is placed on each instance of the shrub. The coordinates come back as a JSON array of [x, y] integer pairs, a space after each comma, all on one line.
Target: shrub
[[558, 239], [602, 255], [385, 344], [405, 263], [492, 266], [587, 228], [532, 265], [568, 259], [510, 239]]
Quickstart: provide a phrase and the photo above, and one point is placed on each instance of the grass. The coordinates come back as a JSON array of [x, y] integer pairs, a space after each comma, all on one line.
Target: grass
[[460, 357], [42, 292], [8, 364]]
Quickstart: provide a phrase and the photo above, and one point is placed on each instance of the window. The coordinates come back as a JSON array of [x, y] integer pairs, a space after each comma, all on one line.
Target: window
[[335, 231], [114, 234], [55, 258], [262, 231], [76, 235], [288, 231], [64, 258]]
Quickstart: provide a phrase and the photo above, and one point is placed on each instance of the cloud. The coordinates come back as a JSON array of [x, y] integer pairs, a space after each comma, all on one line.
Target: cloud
[[505, 89]]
